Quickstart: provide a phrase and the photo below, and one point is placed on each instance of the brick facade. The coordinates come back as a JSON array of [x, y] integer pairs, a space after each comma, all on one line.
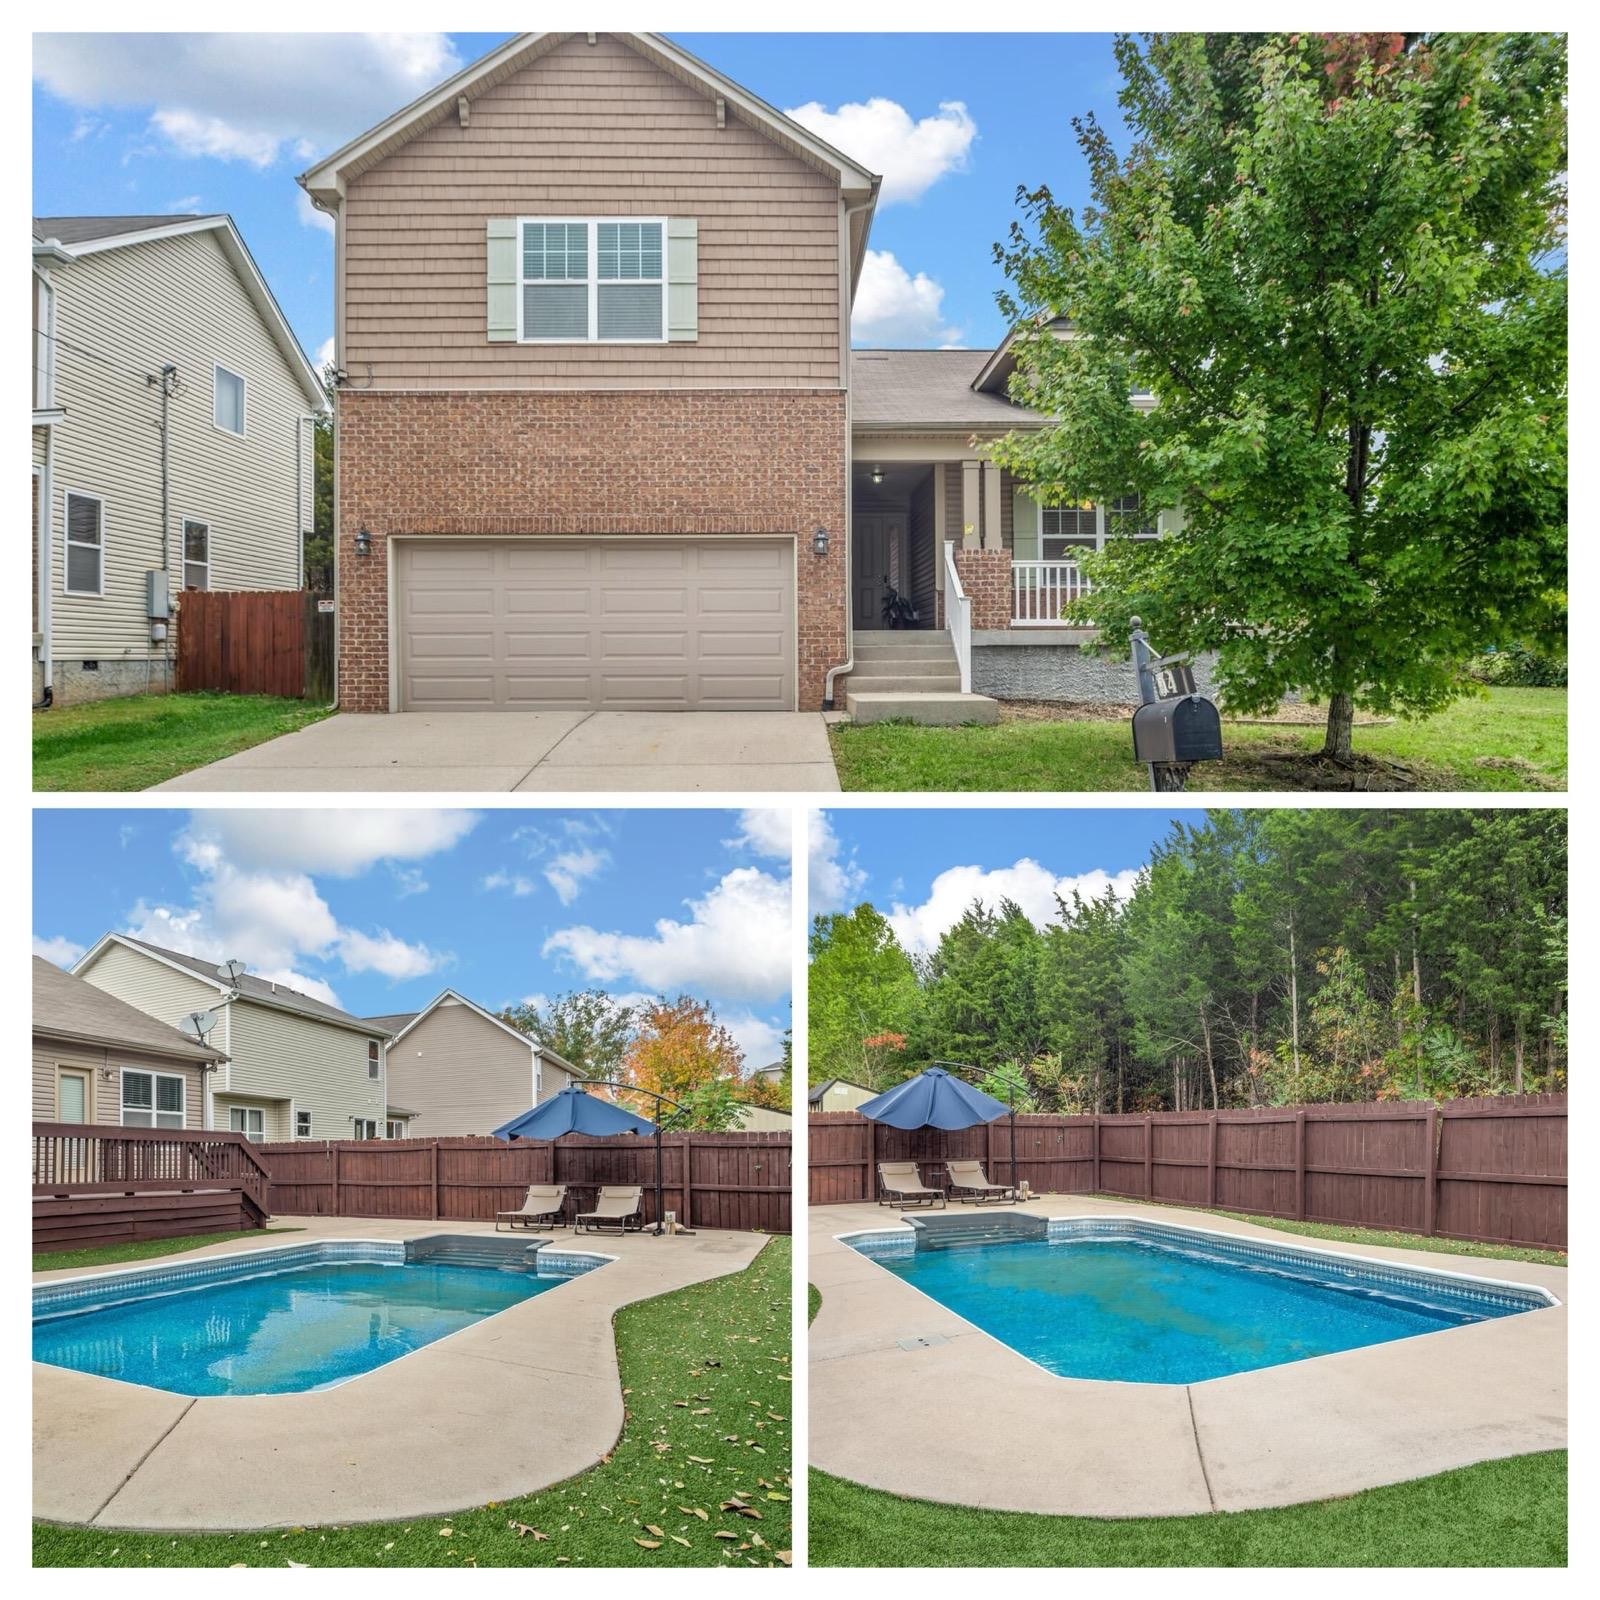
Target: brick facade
[[692, 462], [986, 577]]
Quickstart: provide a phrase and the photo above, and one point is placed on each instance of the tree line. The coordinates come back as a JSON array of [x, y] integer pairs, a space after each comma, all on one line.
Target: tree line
[[1265, 957]]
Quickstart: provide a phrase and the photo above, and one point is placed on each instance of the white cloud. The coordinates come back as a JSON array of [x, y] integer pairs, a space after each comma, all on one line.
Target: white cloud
[[249, 97], [895, 309], [760, 1039], [1032, 886], [514, 881], [384, 953], [188, 202], [325, 353], [308, 214], [835, 884], [341, 844], [735, 943], [59, 949], [880, 135], [569, 871], [766, 833], [408, 881]]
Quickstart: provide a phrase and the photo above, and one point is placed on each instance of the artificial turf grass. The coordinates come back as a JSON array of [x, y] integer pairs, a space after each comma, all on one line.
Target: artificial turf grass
[[1505, 740], [141, 1249], [134, 741], [705, 1376], [1510, 1513]]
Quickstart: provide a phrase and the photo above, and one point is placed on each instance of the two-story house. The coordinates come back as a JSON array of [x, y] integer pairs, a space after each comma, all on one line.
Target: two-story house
[[459, 1070], [172, 442], [602, 439], [295, 1068]]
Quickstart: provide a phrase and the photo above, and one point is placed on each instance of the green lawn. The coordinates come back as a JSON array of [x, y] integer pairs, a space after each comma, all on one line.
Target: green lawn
[[143, 739], [1496, 1514], [1509, 739], [140, 1250], [706, 1374]]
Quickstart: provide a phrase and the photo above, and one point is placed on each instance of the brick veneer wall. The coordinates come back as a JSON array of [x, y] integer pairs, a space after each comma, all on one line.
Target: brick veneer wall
[[694, 462], [986, 577]]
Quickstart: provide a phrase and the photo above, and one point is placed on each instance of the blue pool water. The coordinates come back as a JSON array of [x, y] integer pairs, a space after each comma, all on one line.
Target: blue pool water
[[278, 1328], [1155, 1305]]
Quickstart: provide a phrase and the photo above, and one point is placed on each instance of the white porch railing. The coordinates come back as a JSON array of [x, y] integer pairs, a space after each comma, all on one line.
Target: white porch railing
[[958, 616], [1040, 589]]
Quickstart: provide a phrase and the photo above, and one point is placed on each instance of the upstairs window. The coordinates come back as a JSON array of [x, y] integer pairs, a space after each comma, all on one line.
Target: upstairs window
[[373, 1058], [227, 401], [593, 282], [196, 555]]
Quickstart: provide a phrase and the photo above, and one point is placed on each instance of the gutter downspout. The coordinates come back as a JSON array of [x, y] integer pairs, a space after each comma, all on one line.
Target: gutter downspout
[[169, 374], [849, 661], [45, 534]]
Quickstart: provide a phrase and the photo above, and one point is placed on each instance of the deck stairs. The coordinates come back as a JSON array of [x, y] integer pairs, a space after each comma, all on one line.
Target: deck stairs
[[962, 1231], [911, 675]]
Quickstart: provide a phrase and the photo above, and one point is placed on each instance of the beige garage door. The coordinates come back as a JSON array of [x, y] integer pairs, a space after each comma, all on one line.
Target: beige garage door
[[601, 624]]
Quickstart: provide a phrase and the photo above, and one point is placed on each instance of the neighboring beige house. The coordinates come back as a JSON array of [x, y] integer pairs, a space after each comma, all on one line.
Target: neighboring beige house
[[98, 1059], [838, 1094], [296, 1067], [461, 1070], [603, 442], [172, 441], [763, 1119]]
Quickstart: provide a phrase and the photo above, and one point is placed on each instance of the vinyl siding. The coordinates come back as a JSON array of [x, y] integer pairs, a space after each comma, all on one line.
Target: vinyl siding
[[121, 314], [462, 1075], [150, 985], [279, 1056], [105, 1105], [591, 130]]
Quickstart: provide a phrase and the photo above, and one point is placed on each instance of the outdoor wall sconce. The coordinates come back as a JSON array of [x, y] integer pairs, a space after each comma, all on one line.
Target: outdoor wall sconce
[[877, 475], [819, 541], [363, 542]]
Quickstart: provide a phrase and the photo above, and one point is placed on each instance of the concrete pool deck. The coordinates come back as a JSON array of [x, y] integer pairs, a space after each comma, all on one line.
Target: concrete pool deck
[[908, 1397], [509, 1405]]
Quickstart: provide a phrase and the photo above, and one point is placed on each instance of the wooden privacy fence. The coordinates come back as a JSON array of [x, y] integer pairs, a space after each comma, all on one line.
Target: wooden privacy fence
[[1492, 1170], [256, 641], [101, 1185], [712, 1180]]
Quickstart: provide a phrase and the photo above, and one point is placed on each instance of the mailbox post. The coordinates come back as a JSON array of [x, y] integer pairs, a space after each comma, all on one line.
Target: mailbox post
[[1175, 725]]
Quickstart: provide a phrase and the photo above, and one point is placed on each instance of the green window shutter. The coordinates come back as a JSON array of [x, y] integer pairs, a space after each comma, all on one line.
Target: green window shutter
[[683, 279], [503, 280], [1025, 526]]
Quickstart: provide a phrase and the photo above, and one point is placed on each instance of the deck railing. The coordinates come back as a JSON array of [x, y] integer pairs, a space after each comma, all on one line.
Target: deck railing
[[85, 1157], [1040, 590], [958, 616]]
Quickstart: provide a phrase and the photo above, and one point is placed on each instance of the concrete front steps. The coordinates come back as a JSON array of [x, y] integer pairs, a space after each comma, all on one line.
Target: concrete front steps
[[912, 676]]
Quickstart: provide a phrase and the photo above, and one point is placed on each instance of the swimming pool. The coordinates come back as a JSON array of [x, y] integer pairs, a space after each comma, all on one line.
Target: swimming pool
[[287, 1321], [1140, 1302]]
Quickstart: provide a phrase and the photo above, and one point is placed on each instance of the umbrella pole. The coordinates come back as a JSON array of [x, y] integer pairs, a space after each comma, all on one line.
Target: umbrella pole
[[659, 1229], [1013, 1145]]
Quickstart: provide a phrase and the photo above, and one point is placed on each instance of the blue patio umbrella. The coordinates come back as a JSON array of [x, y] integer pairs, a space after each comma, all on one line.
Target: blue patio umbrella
[[936, 1098], [574, 1111]]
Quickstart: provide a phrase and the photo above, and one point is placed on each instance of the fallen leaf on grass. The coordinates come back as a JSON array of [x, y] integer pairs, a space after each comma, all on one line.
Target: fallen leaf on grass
[[696, 1511], [648, 1544], [526, 1532], [676, 1540]]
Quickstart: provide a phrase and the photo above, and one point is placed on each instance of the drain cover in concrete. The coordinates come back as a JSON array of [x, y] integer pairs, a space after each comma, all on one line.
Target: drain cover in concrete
[[924, 1342]]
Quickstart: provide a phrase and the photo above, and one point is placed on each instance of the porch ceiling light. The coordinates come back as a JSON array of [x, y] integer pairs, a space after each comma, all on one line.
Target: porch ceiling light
[[877, 474], [363, 542], [819, 541]]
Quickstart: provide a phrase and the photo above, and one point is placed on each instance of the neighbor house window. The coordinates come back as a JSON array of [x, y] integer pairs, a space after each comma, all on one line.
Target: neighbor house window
[[374, 1058], [594, 282], [151, 1100], [396, 1130], [250, 1121], [302, 1124], [1127, 518], [196, 555], [366, 1128], [86, 544], [1064, 529], [227, 401]]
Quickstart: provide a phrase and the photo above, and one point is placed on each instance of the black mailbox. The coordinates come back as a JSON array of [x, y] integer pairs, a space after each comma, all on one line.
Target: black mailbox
[[1177, 730]]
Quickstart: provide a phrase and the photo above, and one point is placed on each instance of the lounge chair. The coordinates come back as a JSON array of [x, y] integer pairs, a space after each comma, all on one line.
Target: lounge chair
[[620, 1208], [541, 1205], [969, 1182], [900, 1184]]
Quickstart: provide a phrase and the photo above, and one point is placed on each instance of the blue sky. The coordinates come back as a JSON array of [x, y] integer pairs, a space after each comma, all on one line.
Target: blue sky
[[923, 868], [210, 122], [378, 911]]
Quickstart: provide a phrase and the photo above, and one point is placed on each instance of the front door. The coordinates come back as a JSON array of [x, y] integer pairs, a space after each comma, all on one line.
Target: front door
[[879, 543]]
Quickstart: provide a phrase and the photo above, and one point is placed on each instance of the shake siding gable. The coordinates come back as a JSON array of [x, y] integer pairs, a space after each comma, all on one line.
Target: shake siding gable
[[122, 313], [585, 131], [278, 1055], [462, 1075]]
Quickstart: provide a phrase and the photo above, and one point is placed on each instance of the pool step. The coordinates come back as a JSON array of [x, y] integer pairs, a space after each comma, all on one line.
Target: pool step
[[475, 1250], [964, 1230]]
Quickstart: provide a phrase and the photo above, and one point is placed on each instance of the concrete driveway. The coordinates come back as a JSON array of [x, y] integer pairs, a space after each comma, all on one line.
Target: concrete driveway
[[534, 751]]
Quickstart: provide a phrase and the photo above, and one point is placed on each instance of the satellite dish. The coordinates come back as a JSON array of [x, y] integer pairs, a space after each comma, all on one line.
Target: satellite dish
[[233, 971], [198, 1024]]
